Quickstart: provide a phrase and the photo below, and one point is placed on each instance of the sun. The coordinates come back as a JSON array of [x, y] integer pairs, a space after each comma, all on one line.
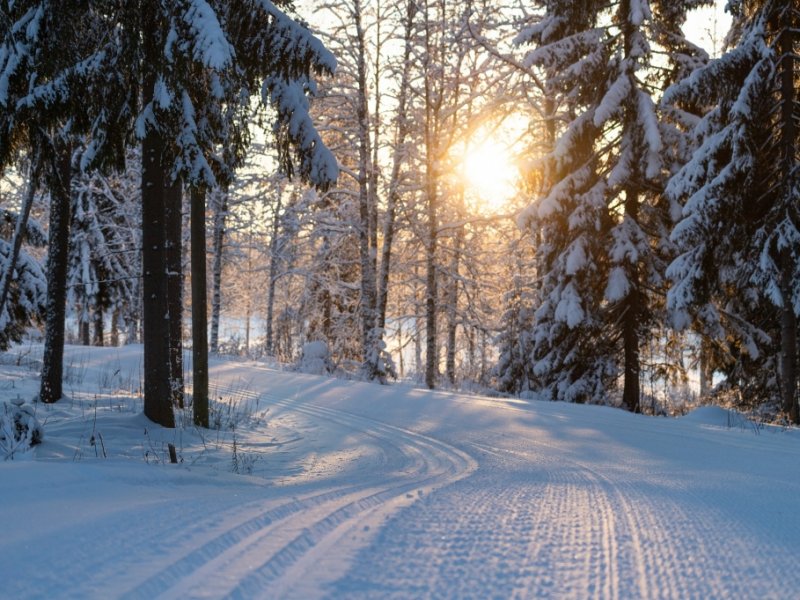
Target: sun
[[490, 174]]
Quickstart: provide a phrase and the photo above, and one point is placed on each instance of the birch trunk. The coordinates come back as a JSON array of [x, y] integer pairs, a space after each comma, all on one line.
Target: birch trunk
[[452, 307], [218, 239], [273, 269], [394, 181]]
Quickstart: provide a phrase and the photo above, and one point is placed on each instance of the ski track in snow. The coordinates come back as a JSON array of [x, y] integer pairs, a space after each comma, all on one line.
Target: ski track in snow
[[535, 523], [281, 544], [457, 498]]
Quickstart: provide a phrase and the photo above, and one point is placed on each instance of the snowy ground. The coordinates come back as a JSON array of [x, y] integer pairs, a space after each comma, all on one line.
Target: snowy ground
[[349, 490]]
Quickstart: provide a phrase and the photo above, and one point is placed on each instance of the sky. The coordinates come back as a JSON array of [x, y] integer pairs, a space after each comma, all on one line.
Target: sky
[[707, 27]]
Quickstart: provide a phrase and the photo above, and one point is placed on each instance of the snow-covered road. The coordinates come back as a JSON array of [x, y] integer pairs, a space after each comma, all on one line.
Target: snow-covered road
[[389, 492]]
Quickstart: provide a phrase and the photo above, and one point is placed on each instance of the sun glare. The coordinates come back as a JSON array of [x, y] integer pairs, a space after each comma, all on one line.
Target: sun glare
[[490, 174]]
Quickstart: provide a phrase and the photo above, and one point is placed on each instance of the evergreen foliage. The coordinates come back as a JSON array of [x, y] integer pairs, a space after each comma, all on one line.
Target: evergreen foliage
[[736, 278], [601, 219]]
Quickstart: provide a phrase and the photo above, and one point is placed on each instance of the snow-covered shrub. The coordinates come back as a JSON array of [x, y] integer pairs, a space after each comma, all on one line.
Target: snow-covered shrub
[[379, 364], [315, 359], [19, 429]]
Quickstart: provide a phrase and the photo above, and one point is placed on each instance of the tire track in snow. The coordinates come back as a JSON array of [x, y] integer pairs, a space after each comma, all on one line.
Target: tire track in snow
[[282, 543]]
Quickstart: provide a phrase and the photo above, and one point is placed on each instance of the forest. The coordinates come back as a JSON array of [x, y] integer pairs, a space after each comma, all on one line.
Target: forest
[[563, 200]]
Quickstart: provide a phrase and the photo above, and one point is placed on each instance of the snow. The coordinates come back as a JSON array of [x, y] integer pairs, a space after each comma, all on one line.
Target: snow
[[353, 490], [639, 12], [211, 47], [576, 258], [315, 358], [612, 100], [569, 309], [618, 285]]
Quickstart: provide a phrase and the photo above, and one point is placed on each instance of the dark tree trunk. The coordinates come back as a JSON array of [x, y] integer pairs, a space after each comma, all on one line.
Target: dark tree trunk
[[173, 225], [157, 389], [327, 316], [788, 362], [199, 309], [431, 349], [57, 265], [632, 304], [85, 330], [788, 79], [99, 325], [631, 321]]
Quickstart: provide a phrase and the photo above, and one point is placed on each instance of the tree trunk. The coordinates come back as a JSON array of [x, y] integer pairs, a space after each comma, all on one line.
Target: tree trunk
[[174, 241], [431, 291], [632, 304], [789, 131], [247, 330], [705, 379], [452, 308], [418, 324], [99, 325], [85, 329], [376, 54], [471, 352], [484, 360], [369, 350], [788, 363], [114, 327], [57, 266], [433, 103], [157, 389], [273, 269], [631, 321], [199, 309], [19, 233], [394, 181], [400, 361], [431, 349], [220, 212]]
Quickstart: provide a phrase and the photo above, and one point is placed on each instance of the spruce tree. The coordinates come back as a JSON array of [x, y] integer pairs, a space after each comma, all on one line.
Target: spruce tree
[[141, 69], [602, 217], [735, 280]]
